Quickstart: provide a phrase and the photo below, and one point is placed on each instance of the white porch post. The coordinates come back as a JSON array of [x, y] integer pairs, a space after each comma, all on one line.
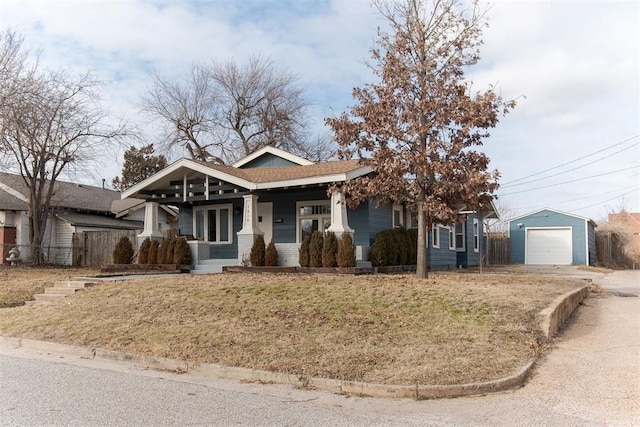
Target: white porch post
[[150, 223], [339, 220], [250, 229]]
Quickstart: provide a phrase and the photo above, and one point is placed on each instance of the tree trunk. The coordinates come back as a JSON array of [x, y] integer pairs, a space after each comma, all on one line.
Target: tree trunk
[[421, 263]]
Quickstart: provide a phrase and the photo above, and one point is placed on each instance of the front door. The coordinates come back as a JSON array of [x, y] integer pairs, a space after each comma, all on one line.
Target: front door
[[265, 220]]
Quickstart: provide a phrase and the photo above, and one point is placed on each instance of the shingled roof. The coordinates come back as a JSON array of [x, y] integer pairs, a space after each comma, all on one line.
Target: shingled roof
[[67, 195]]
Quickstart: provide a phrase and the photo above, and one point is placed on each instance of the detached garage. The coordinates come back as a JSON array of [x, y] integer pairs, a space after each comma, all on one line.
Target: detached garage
[[550, 237]]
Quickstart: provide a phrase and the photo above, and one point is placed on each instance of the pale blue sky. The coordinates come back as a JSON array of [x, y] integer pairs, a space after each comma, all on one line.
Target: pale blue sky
[[577, 63]]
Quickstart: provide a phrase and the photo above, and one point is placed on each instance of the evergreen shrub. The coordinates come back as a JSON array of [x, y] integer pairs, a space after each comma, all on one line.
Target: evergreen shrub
[[346, 252], [123, 252], [153, 252], [329, 250], [271, 255], [315, 249], [182, 253], [257, 252], [143, 252], [169, 250], [303, 254]]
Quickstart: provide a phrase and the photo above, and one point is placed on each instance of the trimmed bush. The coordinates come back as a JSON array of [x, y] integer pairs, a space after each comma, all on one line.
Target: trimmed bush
[[143, 252], [303, 254], [383, 250], [169, 250], [271, 255], [153, 252], [257, 252], [329, 250], [182, 253], [346, 251], [123, 252], [315, 249]]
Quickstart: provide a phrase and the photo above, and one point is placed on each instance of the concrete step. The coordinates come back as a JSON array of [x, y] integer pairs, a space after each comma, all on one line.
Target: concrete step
[[60, 291], [212, 266], [48, 297]]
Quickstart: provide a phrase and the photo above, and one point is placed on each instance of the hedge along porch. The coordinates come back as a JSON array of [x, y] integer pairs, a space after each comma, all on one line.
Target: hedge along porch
[[283, 197], [551, 237]]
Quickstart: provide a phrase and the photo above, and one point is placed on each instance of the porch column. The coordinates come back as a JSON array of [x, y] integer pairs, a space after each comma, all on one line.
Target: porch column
[[250, 229], [339, 220], [150, 223]]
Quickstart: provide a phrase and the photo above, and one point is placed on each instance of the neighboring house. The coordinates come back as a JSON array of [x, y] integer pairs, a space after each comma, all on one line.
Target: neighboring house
[[630, 223], [75, 208], [551, 237], [284, 197]]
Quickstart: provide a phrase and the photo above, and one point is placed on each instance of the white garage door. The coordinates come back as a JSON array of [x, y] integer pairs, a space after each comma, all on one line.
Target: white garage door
[[549, 246]]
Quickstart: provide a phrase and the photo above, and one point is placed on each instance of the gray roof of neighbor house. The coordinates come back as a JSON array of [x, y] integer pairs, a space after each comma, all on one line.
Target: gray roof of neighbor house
[[67, 195], [87, 220]]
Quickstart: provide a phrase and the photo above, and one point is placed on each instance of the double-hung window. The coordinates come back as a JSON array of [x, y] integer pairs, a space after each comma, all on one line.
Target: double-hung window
[[460, 237], [476, 235], [435, 236], [452, 238], [213, 224]]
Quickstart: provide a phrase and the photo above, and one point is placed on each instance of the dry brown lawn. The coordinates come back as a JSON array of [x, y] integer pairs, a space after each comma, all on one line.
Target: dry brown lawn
[[452, 328]]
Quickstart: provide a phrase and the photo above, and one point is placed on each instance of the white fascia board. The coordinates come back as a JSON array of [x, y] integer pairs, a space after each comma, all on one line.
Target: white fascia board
[[188, 164], [276, 152]]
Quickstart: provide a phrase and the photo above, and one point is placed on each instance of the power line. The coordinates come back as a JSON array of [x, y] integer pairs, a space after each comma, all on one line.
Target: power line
[[572, 161], [568, 182], [605, 201], [573, 169], [591, 196]]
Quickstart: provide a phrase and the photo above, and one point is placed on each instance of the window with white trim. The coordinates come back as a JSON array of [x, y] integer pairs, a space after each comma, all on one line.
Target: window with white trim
[[476, 235], [312, 216], [213, 224], [460, 237], [435, 236], [412, 219], [452, 238], [397, 216]]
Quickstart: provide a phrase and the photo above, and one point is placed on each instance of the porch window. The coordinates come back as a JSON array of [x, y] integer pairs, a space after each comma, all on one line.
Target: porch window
[[313, 216], [460, 237], [435, 236], [213, 223], [476, 235]]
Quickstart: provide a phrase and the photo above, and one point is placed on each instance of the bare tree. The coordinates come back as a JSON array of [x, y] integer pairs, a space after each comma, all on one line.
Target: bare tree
[[49, 122], [419, 126], [225, 111], [188, 109]]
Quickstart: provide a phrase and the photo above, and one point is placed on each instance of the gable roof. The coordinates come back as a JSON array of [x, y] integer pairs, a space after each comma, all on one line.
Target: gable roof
[[592, 222], [69, 195], [254, 178], [274, 152]]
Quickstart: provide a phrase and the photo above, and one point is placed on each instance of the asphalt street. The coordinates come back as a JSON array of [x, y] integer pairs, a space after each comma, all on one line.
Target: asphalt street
[[592, 377]]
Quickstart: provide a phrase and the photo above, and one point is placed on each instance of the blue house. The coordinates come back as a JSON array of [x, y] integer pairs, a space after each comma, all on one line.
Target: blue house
[[550, 237], [284, 198]]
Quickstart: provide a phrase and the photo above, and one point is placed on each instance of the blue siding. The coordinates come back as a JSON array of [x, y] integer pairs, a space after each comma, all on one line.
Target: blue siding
[[185, 220], [268, 160], [581, 228], [469, 257], [380, 218], [442, 257]]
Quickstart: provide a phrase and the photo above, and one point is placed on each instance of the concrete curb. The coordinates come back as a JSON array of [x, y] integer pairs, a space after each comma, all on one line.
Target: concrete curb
[[551, 318], [554, 316]]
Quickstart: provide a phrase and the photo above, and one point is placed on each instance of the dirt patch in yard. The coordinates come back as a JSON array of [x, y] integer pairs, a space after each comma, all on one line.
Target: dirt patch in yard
[[450, 329]]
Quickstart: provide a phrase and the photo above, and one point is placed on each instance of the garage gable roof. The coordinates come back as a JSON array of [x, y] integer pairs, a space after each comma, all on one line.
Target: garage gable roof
[[592, 222]]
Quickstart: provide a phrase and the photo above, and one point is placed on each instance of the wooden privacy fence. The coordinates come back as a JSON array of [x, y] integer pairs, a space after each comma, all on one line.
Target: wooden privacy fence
[[499, 251], [95, 248]]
